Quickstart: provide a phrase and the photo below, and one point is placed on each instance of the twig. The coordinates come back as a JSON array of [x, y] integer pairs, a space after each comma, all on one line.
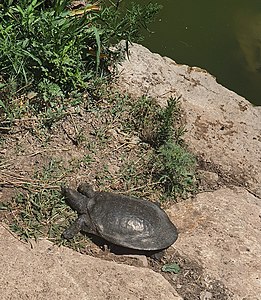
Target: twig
[[8, 163], [74, 125], [5, 129], [17, 176], [47, 150], [73, 140], [141, 187], [20, 120]]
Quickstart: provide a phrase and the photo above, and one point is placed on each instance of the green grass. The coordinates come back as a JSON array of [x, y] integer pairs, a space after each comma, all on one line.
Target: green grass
[[46, 49], [39, 214], [42, 214], [175, 168], [39, 210], [155, 124], [157, 168], [170, 164]]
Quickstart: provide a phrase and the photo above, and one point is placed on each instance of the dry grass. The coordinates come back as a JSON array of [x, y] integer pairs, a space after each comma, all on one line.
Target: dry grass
[[99, 142]]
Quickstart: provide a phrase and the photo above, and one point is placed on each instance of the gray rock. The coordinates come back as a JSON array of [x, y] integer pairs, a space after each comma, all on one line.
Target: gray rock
[[221, 229], [205, 295], [208, 180]]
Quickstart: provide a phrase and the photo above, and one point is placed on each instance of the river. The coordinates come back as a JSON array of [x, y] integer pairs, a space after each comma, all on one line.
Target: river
[[222, 36]]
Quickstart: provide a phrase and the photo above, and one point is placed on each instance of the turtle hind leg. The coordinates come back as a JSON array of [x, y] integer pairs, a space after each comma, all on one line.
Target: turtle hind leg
[[157, 255], [75, 228]]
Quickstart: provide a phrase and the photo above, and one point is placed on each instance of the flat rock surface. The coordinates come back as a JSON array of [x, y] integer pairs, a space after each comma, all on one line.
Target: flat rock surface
[[223, 129], [48, 272], [222, 231]]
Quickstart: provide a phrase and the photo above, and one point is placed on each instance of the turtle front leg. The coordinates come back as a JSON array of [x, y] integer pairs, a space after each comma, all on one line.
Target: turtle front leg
[[75, 228]]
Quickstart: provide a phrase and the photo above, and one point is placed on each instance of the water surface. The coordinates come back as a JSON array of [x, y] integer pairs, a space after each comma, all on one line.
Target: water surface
[[222, 36]]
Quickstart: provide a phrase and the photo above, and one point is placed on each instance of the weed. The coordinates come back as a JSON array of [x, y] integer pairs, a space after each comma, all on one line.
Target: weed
[[39, 214], [51, 115], [52, 170], [104, 179], [170, 163], [100, 133], [42, 215], [83, 162], [54, 50], [87, 159], [51, 92], [154, 123], [175, 167], [131, 175], [171, 267]]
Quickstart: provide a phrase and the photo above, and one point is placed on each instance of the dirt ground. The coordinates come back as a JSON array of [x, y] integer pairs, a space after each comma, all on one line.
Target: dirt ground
[[92, 144]]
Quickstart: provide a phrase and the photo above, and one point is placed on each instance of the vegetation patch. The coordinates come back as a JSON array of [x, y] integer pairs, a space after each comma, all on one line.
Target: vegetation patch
[[53, 48], [103, 143], [63, 124]]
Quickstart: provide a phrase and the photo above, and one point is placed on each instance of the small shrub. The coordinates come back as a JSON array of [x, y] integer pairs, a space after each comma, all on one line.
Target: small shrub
[[170, 164], [175, 167], [155, 124]]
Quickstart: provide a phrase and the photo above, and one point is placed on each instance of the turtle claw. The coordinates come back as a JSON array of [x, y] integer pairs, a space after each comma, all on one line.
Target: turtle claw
[[75, 228], [67, 234]]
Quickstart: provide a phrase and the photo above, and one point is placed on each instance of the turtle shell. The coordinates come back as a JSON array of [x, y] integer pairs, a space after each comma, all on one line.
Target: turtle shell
[[131, 222]]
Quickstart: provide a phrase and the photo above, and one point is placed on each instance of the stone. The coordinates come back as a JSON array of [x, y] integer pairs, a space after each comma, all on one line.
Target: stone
[[205, 295], [208, 180], [47, 271], [221, 230], [222, 128], [142, 259]]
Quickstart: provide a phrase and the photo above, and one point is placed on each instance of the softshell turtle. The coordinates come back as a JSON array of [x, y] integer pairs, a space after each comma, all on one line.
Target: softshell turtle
[[125, 221]]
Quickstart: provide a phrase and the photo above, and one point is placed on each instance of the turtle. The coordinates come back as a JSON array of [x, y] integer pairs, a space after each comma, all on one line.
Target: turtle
[[124, 221]]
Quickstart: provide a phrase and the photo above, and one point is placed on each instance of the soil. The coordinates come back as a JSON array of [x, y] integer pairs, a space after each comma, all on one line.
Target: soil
[[90, 144]]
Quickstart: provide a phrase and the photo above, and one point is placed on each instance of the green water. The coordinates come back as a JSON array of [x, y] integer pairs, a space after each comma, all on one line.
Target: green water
[[222, 36]]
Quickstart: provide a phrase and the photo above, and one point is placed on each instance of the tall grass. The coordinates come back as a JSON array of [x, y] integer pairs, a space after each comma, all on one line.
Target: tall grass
[[47, 41]]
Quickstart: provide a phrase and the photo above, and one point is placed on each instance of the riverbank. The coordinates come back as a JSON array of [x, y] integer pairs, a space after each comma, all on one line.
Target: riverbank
[[218, 248], [220, 227]]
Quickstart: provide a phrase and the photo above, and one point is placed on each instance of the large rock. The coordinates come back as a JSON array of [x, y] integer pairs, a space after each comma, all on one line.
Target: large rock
[[221, 230], [51, 272], [223, 129]]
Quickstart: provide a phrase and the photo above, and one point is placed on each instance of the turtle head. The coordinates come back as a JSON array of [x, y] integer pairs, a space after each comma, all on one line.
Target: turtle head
[[75, 200], [86, 189]]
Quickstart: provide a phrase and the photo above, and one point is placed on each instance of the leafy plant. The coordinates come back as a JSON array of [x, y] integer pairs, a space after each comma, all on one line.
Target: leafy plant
[[154, 123], [128, 21], [48, 45], [171, 268], [170, 163], [175, 167]]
